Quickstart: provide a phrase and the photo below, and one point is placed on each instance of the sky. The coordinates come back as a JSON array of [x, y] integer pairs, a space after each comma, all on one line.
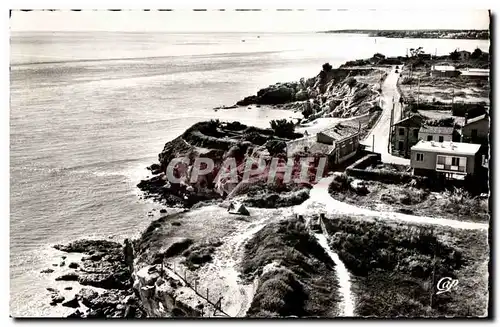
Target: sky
[[246, 21]]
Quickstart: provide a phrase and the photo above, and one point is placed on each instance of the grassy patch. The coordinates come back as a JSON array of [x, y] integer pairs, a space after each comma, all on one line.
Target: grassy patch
[[198, 254], [303, 285], [451, 204], [396, 267]]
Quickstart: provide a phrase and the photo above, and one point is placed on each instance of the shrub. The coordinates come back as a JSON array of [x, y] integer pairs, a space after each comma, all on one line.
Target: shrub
[[283, 127], [275, 147], [351, 81], [327, 67]]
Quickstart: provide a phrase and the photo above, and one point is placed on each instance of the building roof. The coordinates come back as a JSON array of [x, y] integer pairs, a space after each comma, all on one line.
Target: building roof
[[314, 147], [341, 131], [475, 119], [475, 72], [443, 68], [464, 51], [412, 121], [437, 130], [447, 147]]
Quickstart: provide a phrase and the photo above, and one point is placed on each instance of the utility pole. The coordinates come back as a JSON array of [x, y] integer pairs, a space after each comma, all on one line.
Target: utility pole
[[373, 143], [418, 92], [390, 129]]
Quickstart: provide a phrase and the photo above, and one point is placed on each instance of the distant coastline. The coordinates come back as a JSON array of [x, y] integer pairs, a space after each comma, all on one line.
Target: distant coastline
[[420, 34]]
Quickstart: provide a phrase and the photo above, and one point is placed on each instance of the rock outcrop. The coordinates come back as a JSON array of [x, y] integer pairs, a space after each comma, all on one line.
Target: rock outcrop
[[332, 93]]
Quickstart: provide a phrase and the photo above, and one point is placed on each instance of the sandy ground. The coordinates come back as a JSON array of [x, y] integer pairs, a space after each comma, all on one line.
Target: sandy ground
[[221, 275]]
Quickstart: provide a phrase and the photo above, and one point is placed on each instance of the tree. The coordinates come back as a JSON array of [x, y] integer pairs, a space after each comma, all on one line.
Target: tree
[[476, 54], [308, 110], [327, 67], [275, 147], [454, 55], [283, 127]]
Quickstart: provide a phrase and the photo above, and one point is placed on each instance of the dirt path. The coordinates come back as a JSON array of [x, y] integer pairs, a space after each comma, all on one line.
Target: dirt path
[[320, 201], [381, 130], [347, 304], [221, 275]]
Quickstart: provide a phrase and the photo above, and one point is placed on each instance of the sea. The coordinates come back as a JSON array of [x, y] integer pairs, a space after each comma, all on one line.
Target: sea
[[90, 110]]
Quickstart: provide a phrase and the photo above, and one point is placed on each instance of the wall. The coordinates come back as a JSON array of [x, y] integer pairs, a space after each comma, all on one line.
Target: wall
[[408, 140], [323, 138], [430, 160], [482, 127], [347, 148], [435, 137]]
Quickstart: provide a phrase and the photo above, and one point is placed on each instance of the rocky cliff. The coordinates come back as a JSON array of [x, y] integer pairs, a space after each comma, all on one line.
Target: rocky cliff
[[343, 92]]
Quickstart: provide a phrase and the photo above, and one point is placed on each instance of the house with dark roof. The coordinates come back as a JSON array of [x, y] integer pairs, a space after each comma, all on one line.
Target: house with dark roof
[[337, 143], [404, 135], [476, 130]]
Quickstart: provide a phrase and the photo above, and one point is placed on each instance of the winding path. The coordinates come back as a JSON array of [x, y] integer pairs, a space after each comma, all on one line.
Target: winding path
[[321, 199], [347, 306]]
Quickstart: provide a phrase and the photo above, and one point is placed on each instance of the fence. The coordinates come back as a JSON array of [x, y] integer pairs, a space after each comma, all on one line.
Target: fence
[[183, 276]]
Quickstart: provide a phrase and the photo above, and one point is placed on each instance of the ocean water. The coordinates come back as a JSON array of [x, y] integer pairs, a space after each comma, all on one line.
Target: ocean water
[[89, 111]]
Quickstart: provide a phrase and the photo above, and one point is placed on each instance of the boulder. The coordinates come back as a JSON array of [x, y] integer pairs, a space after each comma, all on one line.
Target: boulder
[[73, 303], [301, 95], [47, 271], [359, 187], [73, 265], [70, 277], [76, 314], [87, 296]]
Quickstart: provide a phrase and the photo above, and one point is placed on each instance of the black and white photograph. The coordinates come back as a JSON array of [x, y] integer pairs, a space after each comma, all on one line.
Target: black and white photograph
[[250, 163]]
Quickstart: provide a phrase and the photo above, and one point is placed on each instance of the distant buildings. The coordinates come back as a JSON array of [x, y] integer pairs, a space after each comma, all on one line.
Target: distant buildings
[[476, 73], [444, 71], [464, 55]]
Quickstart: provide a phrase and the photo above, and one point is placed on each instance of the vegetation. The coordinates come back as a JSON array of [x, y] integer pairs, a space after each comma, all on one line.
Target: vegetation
[[422, 34], [200, 253], [283, 127], [275, 147], [403, 262], [302, 284]]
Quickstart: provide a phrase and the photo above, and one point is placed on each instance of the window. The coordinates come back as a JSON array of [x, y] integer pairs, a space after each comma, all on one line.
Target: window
[[429, 137], [401, 131], [420, 157], [441, 160], [473, 133], [455, 161], [415, 133], [400, 145], [441, 138]]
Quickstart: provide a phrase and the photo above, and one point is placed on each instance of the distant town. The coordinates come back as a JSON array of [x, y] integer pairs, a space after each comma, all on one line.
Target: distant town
[[420, 34]]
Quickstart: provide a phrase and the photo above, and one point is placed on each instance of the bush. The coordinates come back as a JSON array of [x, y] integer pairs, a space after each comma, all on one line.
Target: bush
[[283, 127], [303, 284], [351, 81], [275, 147], [327, 67]]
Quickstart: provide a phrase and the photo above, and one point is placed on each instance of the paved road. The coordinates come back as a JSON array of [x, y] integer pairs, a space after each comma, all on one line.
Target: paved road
[[381, 129]]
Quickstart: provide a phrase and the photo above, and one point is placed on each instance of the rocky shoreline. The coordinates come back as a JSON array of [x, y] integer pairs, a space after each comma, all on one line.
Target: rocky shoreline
[[102, 266]]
